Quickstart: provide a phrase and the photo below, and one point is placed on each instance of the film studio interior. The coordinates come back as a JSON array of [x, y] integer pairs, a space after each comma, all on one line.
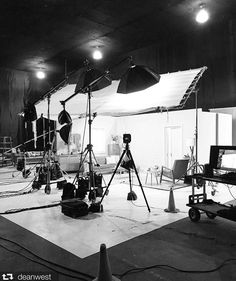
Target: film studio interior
[[118, 140]]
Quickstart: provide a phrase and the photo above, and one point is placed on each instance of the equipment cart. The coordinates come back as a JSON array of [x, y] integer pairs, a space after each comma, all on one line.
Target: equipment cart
[[199, 202]]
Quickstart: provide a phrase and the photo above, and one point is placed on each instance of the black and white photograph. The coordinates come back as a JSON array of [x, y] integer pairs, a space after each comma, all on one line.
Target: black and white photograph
[[118, 140]]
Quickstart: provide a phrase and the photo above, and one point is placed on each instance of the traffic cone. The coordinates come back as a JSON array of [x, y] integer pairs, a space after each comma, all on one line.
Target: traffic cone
[[171, 206], [104, 272]]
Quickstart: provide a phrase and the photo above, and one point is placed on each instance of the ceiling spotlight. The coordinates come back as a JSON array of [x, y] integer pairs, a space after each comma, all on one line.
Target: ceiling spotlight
[[40, 74], [202, 15], [97, 54]]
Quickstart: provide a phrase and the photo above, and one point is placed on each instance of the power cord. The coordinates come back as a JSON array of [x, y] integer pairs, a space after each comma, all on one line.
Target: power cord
[[13, 211], [10, 193], [169, 267], [90, 277]]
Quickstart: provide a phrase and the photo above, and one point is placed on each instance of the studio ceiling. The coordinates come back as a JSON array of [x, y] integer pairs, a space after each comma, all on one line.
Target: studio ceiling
[[57, 35]]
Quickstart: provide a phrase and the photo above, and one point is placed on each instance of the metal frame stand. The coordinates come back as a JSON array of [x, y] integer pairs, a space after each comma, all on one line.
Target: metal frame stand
[[48, 147], [195, 167], [126, 152]]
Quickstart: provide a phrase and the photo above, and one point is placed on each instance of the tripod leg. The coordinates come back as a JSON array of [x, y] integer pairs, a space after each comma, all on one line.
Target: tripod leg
[[131, 195], [117, 166], [48, 185], [136, 172]]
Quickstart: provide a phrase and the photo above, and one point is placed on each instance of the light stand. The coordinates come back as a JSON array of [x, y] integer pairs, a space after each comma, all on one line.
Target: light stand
[[89, 149], [49, 149], [131, 195], [195, 166]]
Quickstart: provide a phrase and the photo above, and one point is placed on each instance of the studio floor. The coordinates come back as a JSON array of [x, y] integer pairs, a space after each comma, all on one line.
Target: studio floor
[[124, 227]]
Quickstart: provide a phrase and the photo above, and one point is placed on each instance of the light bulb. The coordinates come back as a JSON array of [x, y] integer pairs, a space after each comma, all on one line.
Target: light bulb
[[97, 55], [202, 16], [40, 74]]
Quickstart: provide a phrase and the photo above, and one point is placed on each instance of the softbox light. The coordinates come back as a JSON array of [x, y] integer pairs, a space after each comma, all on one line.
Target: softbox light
[[64, 117], [137, 78], [93, 78], [65, 133]]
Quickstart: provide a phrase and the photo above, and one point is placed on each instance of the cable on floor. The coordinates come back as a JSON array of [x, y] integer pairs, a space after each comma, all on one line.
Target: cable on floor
[[23, 191], [13, 211], [47, 261], [172, 268]]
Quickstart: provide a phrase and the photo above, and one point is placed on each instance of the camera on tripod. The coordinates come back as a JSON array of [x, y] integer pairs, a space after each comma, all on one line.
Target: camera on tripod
[[126, 138]]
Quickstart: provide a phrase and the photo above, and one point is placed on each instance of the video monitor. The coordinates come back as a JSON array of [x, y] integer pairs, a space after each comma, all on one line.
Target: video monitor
[[223, 158]]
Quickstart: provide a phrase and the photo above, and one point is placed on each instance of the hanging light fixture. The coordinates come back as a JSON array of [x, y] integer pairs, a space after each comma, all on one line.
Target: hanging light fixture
[[137, 78], [202, 15], [40, 74], [97, 54]]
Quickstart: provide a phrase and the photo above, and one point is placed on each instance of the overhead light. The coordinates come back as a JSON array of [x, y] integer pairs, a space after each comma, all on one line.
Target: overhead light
[[202, 15], [40, 74], [97, 54], [137, 78]]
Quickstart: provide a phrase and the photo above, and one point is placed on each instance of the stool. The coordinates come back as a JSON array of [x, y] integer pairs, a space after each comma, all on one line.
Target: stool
[[152, 172]]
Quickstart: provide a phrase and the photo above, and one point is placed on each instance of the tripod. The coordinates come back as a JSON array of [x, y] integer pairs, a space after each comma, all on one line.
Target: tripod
[[130, 165]]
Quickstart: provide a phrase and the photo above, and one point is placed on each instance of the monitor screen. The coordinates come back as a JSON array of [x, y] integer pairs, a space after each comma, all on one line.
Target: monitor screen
[[223, 157]]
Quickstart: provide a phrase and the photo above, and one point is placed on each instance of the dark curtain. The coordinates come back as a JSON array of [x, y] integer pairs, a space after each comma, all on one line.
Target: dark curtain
[[17, 88], [14, 90]]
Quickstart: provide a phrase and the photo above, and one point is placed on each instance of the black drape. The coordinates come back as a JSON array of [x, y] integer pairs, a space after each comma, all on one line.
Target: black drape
[[14, 90], [17, 88]]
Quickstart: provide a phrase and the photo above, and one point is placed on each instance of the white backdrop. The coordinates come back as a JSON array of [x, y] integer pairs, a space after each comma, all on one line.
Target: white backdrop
[[167, 93]]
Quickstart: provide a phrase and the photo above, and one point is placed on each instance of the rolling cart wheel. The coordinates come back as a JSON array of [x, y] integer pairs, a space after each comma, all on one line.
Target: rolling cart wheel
[[210, 215], [194, 214]]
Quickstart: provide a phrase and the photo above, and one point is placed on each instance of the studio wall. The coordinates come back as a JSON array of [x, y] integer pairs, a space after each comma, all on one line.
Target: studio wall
[[148, 134]]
